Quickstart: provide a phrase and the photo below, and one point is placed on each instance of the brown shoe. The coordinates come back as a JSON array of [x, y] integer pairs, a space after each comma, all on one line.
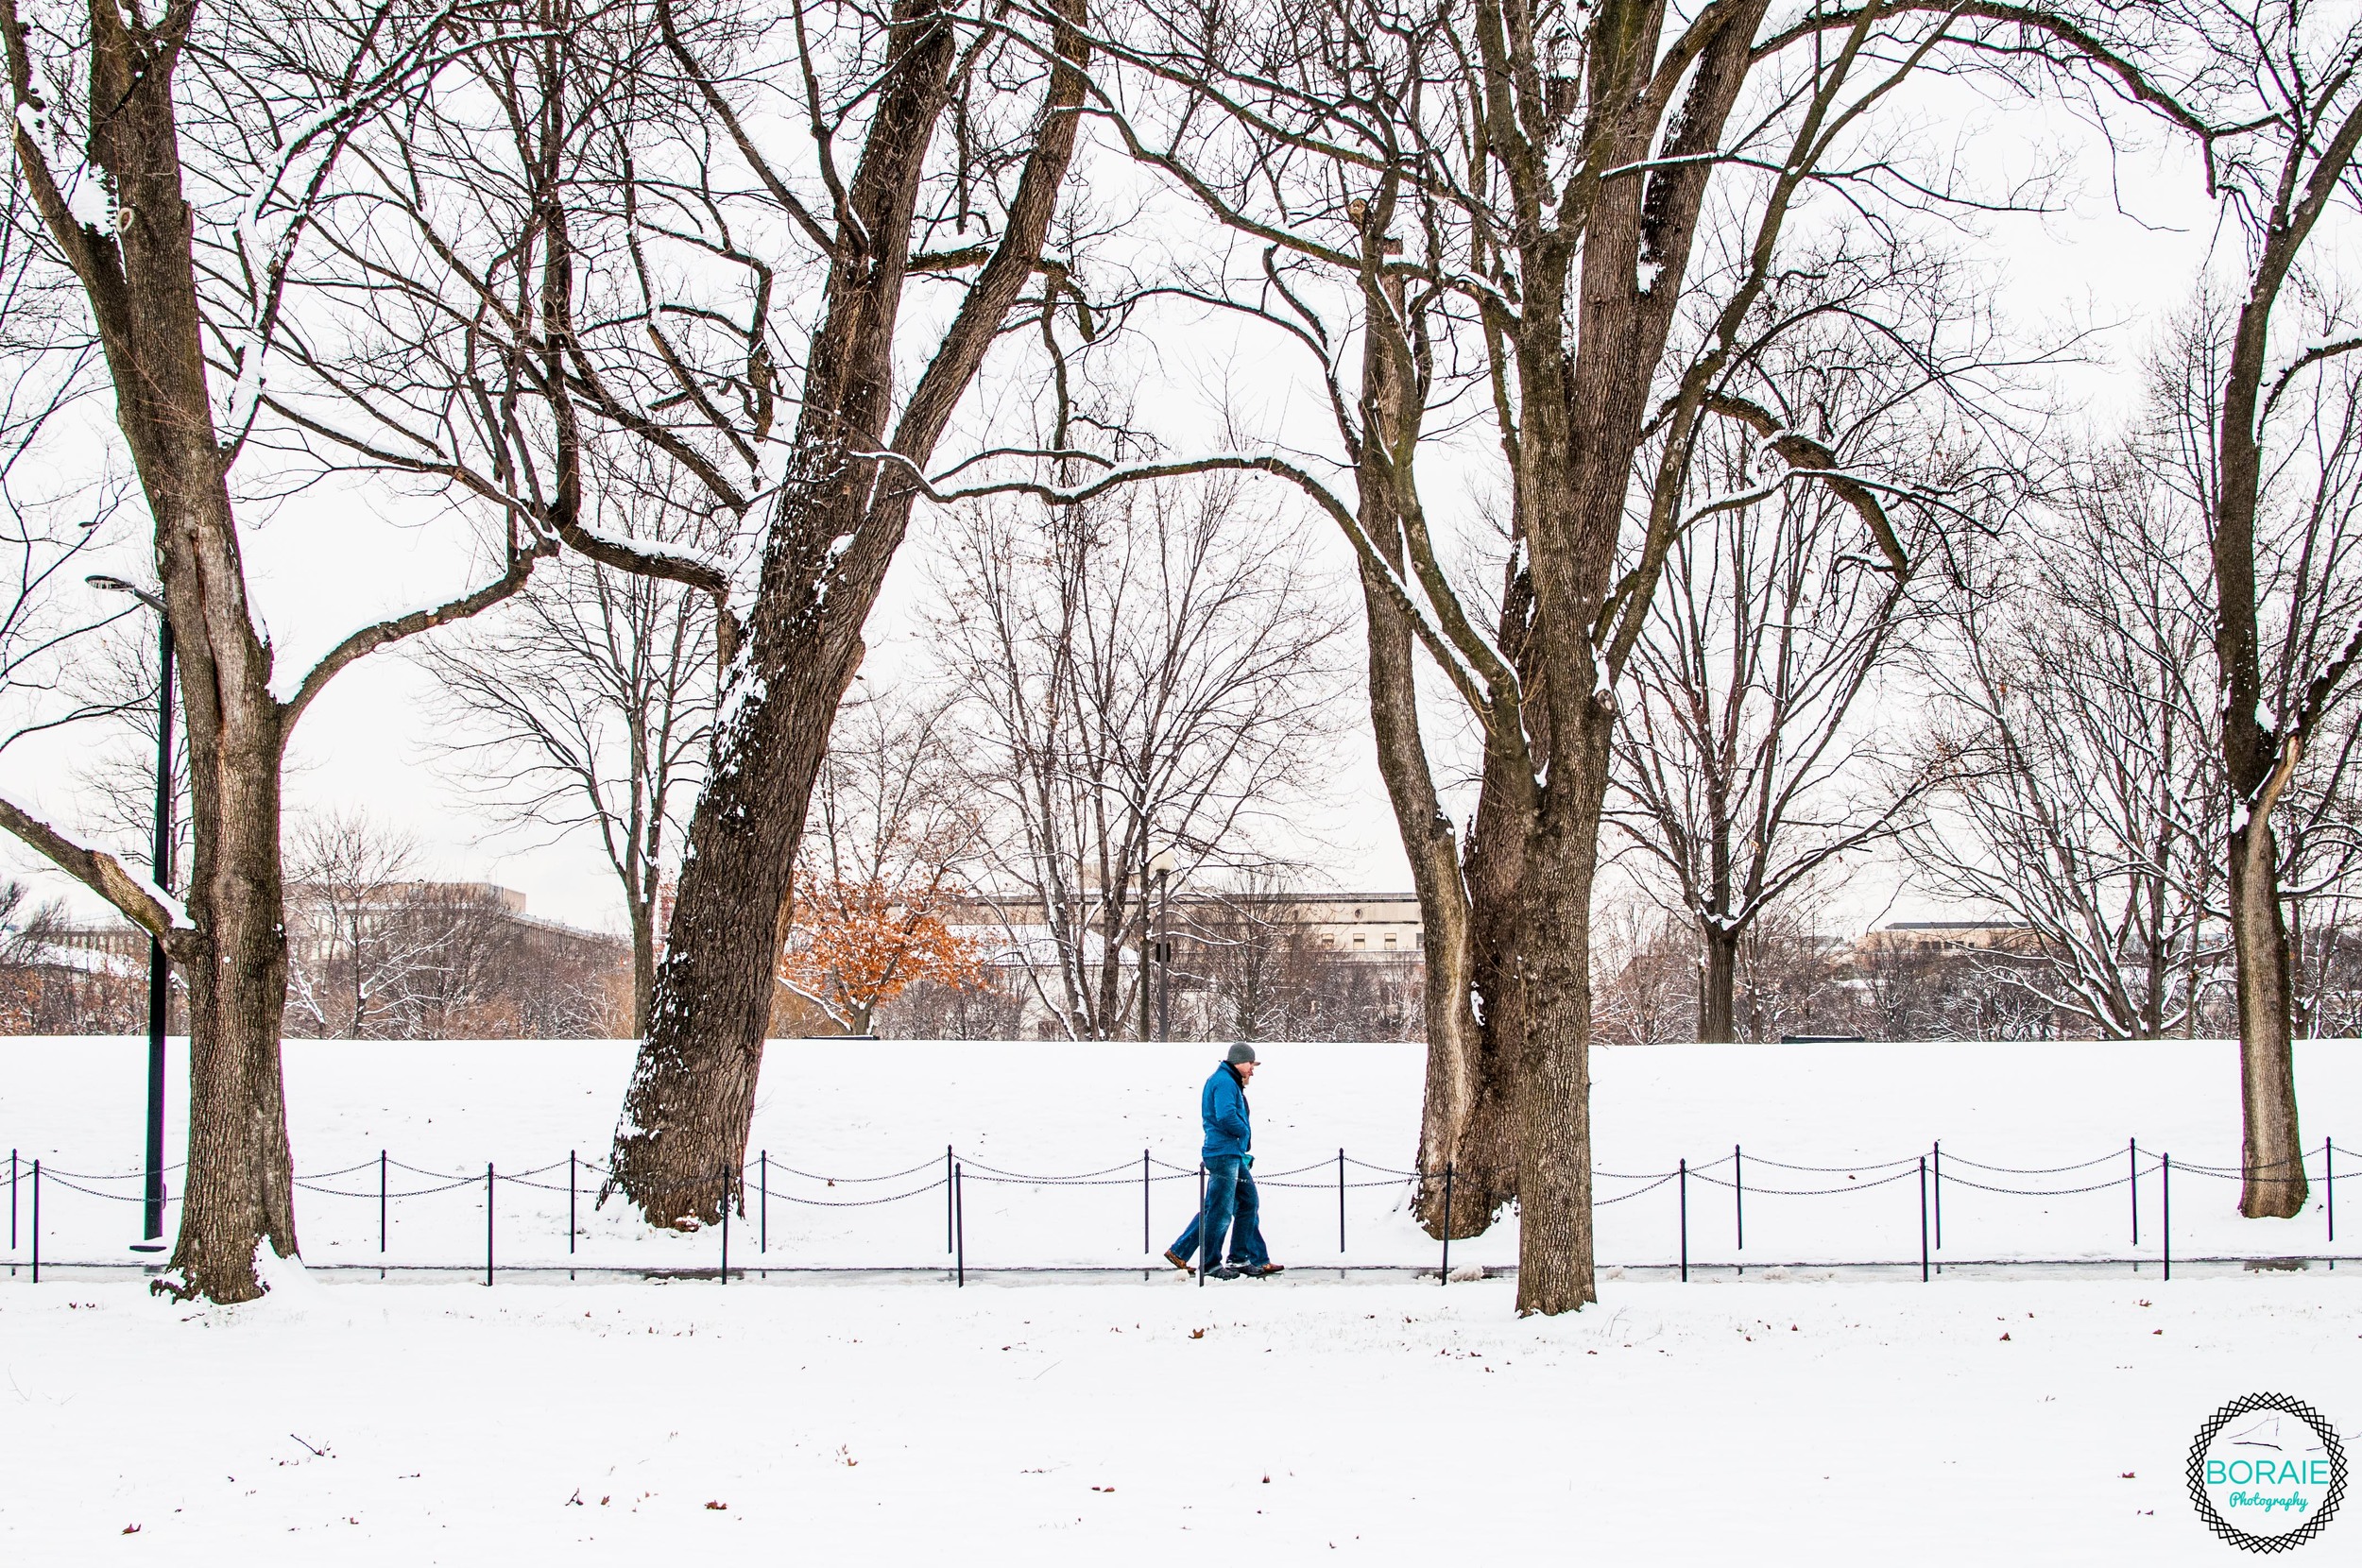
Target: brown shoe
[[1175, 1259], [1266, 1272]]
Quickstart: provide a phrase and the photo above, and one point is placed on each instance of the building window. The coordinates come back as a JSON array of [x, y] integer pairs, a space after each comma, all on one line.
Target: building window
[[1390, 939]]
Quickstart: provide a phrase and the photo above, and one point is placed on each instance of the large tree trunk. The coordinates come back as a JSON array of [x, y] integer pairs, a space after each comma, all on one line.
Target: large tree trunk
[[240, 1189], [1495, 869], [2271, 1156], [691, 1102], [840, 519], [1717, 982], [1555, 1268]]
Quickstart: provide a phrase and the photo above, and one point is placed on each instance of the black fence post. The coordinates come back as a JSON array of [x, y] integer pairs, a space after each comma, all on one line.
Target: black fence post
[[381, 1202], [1202, 1250], [959, 1230], [762, 1202], [488, 1223], [726, 1225], [1145, 1249], [1684, 1190], [1445, 1277], [36, 1222], [1341, 1199], [1738, 1199], [1939, 1190], [951, 1197], [1923, 1219], [11, 1199], [2329, 1181], [2164, 1221], [570, 1202], [2133, 1163]]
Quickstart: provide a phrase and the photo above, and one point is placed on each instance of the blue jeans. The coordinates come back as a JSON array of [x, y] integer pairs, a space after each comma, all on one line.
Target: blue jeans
[[1232, 1208]]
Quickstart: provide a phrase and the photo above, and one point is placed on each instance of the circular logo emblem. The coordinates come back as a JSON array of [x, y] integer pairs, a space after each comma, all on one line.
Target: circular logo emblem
[[2267, 1473]]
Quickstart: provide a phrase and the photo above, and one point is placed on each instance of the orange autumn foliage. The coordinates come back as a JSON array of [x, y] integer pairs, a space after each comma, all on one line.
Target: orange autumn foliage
[[855, 946]]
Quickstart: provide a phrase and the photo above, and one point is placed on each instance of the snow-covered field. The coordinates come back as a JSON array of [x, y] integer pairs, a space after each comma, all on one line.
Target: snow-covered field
[[1790, 1417], [1970, 1421]]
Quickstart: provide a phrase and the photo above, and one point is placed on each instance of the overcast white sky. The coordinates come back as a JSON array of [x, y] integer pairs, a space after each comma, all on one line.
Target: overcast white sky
[[369, 742]]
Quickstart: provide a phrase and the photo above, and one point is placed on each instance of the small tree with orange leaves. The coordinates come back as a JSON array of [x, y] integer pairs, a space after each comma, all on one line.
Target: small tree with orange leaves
[[879, 867], [856, 945]]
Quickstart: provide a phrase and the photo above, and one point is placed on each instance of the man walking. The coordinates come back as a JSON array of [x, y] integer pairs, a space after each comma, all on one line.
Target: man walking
[[1232, 1207]]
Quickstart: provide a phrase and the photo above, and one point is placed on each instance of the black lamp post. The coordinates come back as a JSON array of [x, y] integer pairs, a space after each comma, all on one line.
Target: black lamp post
[[1163, 867], [159, 867]]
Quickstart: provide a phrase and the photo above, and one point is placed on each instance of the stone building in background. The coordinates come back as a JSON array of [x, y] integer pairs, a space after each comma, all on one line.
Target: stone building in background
[[398, 960]]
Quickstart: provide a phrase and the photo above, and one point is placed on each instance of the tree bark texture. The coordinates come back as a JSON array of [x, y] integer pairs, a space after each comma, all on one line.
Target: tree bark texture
[[1556, 1269], [2271, 1151], [240, 1189], [841, 516], [1718, 984]]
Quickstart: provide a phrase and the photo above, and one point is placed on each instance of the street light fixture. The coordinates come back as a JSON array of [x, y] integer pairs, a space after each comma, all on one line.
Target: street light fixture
[[160, 866]]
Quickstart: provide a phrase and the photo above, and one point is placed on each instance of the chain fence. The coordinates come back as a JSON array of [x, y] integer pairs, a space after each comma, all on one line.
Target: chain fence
[[752, 1189]]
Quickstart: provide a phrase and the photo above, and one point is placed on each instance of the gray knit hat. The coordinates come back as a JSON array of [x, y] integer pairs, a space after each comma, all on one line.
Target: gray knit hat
[[1241, 1054]]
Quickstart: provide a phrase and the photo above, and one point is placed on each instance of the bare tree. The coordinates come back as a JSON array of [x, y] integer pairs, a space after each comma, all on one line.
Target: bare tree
[[28, 933], [2081, 791], [1742, 769], [847, 476], [2274, 95], [184, 230], [58, 505], [635, 219], [484, 971], [930, 1010], [1255, 957], [1146, 674], [586, 705], [378, 953], [1644, 989], [351, 957]]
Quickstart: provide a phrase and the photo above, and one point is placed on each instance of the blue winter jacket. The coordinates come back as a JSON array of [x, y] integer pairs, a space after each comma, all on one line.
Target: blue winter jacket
[[1223, 1107]]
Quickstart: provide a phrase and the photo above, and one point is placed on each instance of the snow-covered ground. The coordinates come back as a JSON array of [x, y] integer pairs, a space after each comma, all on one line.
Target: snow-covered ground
[[1968, 1422], [1790, 1417], [861, 1109]]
